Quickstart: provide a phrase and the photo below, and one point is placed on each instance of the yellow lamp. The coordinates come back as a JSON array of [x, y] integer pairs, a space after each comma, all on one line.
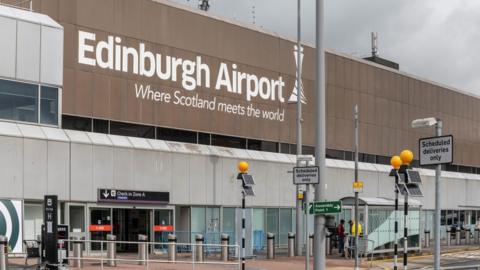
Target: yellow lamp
[[396, 162], [406, 156], [243, 166]]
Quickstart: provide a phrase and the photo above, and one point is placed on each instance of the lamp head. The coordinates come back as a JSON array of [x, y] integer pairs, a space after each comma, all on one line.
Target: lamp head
[[424, 122], [243, 166], [396, 162], [406, 156]]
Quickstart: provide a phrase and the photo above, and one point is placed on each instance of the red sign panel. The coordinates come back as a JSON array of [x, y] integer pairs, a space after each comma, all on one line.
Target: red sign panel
[[100, 228], [163, 228]]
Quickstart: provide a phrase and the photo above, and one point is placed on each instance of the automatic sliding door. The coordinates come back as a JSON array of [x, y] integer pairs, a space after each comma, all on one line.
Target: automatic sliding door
[[100, 226], [162, 226]]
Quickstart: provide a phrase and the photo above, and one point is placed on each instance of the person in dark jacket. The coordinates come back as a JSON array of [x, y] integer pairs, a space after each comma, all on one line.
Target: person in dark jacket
[[341, 237]]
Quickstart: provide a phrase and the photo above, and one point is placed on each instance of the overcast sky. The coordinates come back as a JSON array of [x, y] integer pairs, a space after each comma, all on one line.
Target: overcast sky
[[434, 39]]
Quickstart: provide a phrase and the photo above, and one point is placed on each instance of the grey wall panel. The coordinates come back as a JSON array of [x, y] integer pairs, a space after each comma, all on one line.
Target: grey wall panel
[[8, 32], [263, 187], [145, 174], [51, 69], [28, 51], [11, 166], [199, 192], [35, 168], [123, 168], [163, 165], [230, 191], [58, 169], [287, 189], [453, 193], [81, 173], [180, 179], [102, 167], [217, 179]]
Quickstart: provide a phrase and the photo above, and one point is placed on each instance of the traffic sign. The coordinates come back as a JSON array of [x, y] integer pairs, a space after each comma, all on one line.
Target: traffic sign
[[305, 175], [318, 208], [358, 186], [436, 150]]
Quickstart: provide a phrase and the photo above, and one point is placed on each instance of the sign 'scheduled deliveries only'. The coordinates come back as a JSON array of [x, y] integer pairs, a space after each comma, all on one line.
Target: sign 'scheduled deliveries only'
[[193, 73]]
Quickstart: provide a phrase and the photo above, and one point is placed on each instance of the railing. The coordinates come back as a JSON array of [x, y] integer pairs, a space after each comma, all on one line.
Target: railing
[[148, 260]]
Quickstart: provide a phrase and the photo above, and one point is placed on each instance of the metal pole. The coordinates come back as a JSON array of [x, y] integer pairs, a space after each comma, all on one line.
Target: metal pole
[[438, 171], [319, 239], [356, 191], [243, 230], [298, 228], [395, 246], [405, 232], [307, 242]]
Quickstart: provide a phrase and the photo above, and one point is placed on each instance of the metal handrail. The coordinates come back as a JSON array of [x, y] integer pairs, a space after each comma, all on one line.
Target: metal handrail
[[148, 260]]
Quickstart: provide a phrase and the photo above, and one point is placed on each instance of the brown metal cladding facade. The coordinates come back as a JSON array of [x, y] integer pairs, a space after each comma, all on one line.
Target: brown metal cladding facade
[[388, 100]]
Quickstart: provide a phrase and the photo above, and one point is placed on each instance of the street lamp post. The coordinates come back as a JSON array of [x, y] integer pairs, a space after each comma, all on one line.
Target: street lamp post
[[406, 156], [429, 122], [396, 162]]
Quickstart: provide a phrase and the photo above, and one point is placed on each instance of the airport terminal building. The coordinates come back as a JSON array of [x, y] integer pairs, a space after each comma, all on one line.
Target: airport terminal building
[[136, 113]]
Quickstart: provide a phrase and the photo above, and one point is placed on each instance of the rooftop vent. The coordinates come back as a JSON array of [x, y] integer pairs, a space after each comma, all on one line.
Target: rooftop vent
[[375, 55]]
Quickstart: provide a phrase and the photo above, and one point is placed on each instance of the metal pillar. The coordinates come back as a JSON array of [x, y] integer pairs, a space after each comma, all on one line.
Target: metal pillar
[[142, 249], [356, 192], [111, 250], [172, 247], [319, 247], [243, 230], [427, 239], [291, 244], [405, 232], [298, 210], [224, 251], [438, 172], [3, 252], [199, 248], [395, 245], [270, 246]]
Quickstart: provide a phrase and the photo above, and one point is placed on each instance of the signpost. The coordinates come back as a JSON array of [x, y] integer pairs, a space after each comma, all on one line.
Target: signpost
[[135, 196], [305, 175], [320, 208], [50, 210], [436, 150]]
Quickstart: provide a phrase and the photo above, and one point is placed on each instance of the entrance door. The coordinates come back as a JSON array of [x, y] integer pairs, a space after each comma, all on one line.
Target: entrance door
[[128, 224]]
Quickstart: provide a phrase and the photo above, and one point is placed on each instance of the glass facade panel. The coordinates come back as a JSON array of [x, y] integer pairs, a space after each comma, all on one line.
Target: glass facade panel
[[77, 218], [49, 105], [272, 223], [133, 130], [197, 224], [100, 126], [212, 215], [33, 219], [285, 225], [227, 141], [18, 101], [176, 135], [259, 235], [228, 223], [76, 123]]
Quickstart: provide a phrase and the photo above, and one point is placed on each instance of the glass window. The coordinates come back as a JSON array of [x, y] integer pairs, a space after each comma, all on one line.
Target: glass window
[[203, 138], [227, 141], [443, 217], [259, 235], [100, 126], [455, 217], [349, 155], [176, 135], [18, 101], [33, 221], [473, 217], [335, 154], [262, 145], [133, 130], [285, 148], [49, 105], [462, 217], [212, 215], [308, 150], [76, 123], [77, 218], [383, 160], [228, 222], [285, 225], [272, 222], [100, 226], [198, 220]]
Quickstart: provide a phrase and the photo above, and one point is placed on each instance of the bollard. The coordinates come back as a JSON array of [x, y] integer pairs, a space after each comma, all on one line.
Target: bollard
[[224, 243], [270, 246], [111, 250], [199, 248], [142, 249], [172, 247], [427, 239], [457, 237], [467, 237], [477, 236], [311, 244], [291, 244], [328, 244], [3, 252], [77, 261], [449, 237]]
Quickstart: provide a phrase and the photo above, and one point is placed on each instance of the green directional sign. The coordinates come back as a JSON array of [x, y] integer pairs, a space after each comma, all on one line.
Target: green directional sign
[[318, 208]]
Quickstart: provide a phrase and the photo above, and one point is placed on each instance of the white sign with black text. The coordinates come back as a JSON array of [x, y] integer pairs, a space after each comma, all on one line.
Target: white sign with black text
[[305, 175], [436, 150]]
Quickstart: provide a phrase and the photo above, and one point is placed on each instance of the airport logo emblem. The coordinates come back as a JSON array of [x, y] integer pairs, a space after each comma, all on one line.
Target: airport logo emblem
[[294, 95], [11, 224]]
